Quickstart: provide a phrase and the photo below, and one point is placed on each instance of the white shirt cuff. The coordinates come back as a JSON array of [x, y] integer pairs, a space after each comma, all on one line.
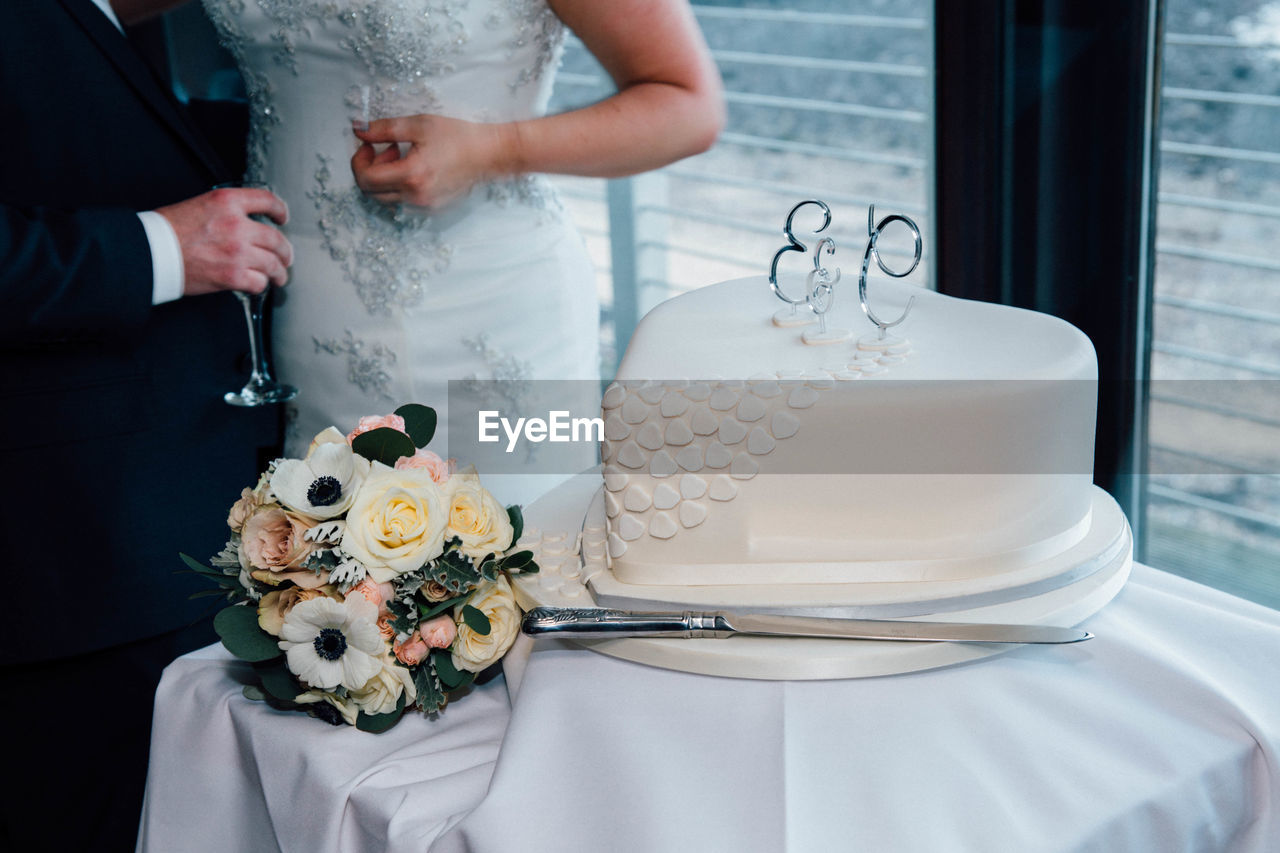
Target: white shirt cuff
[[166, 258]]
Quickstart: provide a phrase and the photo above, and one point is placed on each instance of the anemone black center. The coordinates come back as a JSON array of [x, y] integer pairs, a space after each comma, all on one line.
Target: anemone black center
[[330, 643], [325, 491]]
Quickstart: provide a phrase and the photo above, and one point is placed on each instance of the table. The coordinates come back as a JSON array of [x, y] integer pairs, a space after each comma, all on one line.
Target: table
[[1162, 734]]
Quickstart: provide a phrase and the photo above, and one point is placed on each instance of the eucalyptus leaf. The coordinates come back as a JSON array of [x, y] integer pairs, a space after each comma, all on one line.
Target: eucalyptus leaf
[[278, 681], [450, 676], [430, 611], [378, 723], [518, 562], [489, 570], [476, 620], [383, 445], [419, 422], [516, 515], [253, 693], [238, 627]]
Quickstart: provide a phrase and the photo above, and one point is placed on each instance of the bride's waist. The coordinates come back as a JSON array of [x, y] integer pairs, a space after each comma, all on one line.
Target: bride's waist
[[526, 203]]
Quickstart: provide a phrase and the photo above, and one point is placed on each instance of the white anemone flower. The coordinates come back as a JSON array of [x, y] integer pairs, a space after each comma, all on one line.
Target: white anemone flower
[[324, 484], [332, 644]]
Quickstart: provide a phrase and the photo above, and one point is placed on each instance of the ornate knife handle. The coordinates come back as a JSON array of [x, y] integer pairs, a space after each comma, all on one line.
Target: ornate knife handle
[[602, 624]]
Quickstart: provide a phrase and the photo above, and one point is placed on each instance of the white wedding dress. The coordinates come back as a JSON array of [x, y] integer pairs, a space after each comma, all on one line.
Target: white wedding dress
[[384, 305]]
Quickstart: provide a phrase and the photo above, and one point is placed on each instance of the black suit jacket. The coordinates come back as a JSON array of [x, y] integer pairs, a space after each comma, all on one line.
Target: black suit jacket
[[116, 448]]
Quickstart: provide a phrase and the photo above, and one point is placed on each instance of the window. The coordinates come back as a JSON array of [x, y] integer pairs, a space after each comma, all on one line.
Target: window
[[1213, 498]]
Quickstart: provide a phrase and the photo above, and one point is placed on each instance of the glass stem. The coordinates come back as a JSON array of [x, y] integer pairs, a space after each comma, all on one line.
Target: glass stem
[[253, 317]]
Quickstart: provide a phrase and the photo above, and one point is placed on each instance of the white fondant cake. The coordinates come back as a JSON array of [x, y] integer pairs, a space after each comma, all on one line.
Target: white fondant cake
[[737, 456]]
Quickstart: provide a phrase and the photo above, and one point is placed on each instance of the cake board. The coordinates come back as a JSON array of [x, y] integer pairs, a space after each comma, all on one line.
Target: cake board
[[553, 531]]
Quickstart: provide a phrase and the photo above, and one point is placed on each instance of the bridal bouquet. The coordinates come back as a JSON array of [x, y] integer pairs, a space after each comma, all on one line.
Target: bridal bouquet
[[370, 577]]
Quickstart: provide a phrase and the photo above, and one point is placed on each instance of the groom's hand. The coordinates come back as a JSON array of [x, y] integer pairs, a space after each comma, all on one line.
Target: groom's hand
[[223, 249]]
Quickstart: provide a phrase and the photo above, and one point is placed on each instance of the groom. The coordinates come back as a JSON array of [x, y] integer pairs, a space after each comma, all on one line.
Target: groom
[[116, 448]]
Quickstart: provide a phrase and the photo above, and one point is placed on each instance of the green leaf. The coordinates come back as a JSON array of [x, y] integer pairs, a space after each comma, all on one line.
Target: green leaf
[[450, 676], [403, 616], [426, 612], [476, 620], [430, 692], [378, 723], [384, 445], [238, 627], [419, 422], [516, 516], [253, 693], [455, 572], [489, 569], [278, 681], [520, 561]]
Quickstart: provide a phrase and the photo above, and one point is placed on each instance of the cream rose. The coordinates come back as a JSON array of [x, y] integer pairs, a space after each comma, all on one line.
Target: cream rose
[[243, 509], [476, 517], [275, 605], [473, 652], [396, 523], [381, 693]]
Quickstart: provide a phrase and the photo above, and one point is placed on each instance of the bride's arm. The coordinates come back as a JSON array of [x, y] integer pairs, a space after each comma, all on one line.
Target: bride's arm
[[669, 105]]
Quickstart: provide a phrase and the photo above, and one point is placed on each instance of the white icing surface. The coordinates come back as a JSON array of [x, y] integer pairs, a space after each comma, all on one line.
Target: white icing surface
[[907, 473]]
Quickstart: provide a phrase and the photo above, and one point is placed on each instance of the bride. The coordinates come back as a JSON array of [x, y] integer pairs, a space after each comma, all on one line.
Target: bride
[[427, 245]]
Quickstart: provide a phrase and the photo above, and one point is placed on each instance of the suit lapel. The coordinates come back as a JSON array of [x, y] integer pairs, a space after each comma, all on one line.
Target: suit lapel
[[135, 72]]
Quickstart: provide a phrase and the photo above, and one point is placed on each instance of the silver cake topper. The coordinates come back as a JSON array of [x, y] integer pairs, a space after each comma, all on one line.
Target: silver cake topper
[[874, 230], [821, 297], [790, 316]]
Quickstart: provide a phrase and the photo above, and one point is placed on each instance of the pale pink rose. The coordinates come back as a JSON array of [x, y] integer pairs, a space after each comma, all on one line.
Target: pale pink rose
[[243, 509], [439, 469], [439, 632], [434, 591], [372, 422], [412, 651], [272, 540]]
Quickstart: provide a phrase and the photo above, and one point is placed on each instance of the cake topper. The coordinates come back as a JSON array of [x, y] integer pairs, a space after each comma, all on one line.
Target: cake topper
[[790, 316], [874, 230], [821, 296]]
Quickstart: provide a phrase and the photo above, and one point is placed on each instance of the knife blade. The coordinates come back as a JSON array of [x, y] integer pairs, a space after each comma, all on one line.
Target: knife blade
[[604, 624]]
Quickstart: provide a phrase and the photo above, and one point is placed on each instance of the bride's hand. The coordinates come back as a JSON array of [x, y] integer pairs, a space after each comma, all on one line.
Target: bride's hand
[[444, 159]]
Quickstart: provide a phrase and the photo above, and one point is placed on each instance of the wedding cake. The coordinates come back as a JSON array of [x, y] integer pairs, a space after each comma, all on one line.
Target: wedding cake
[[879, 475]]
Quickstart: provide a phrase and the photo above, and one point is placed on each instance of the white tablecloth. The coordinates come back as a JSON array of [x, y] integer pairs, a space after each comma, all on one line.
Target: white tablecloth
[[1162, 734]]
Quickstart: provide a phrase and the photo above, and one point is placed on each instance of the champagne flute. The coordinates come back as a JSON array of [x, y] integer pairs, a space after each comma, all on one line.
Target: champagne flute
[[262, 388]]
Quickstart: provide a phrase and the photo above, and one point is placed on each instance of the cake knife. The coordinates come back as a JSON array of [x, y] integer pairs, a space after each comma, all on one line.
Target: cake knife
[[603, 624]]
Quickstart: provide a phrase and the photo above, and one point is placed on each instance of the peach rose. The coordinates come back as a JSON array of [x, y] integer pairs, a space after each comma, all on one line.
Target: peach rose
[[385, 627], [412, 651], [372, 422], [439, 469], [273, 541], [439, 632], [376, 593], [273, 606]]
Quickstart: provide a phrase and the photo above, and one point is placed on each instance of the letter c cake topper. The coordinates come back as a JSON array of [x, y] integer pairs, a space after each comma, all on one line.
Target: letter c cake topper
[[874, 230], [790, 316]]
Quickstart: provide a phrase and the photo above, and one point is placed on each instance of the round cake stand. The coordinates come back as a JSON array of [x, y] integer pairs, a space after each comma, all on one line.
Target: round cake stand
[[554, 521]]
